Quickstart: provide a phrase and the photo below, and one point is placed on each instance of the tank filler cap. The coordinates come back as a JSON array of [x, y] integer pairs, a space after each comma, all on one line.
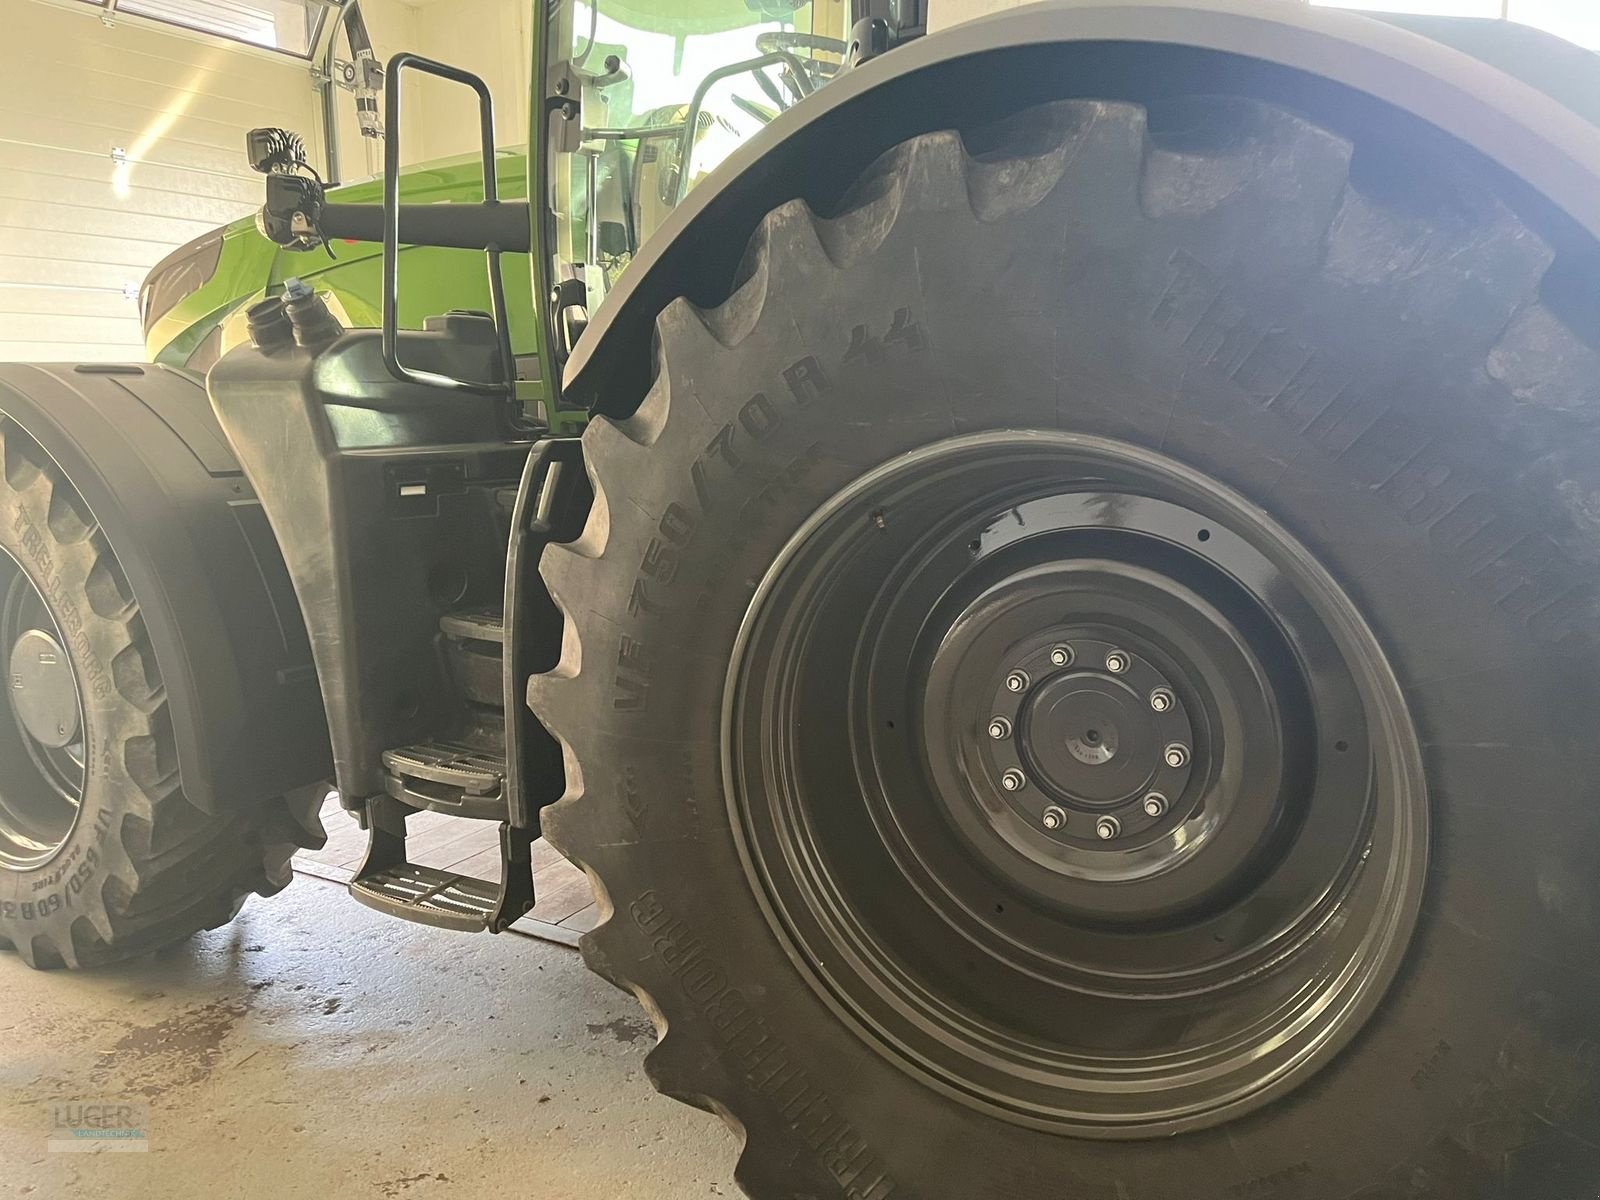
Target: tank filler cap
[[314, 324], [269, 325]]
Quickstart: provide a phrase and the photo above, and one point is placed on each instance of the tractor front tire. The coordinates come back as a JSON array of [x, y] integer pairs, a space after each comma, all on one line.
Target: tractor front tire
[[102, 856]]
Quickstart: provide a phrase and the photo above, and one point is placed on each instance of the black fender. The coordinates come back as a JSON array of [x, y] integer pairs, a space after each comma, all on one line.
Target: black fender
[[141, 445], [1359, 76]]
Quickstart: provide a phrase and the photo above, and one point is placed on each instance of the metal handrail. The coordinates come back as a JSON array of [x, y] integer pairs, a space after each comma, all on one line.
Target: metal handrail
[[406, 61]]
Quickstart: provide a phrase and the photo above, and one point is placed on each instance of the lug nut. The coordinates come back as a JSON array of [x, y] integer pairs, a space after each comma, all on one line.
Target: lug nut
[[1155, 805], [1013, 780], [1054, 818], [1161, 700], [1107, 828], [1061, 656], [1116, 662], [1017, 681], [1176, 755], [999, 729]]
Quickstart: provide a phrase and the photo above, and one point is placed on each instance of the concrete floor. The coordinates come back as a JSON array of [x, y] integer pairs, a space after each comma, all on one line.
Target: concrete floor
[[315, 1048]]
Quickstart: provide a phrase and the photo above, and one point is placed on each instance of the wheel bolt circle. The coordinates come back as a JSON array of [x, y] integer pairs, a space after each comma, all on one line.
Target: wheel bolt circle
[[1155, 805], [1107, 828], [1061, 656], [1161, 700], [1053, 818], [1116, 662], [999, 729], [1176, 755], [1017, 681], [1013, 780]]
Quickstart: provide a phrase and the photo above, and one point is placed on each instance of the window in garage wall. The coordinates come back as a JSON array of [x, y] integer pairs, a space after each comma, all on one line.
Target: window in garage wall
[[117, 145], [286, 25]]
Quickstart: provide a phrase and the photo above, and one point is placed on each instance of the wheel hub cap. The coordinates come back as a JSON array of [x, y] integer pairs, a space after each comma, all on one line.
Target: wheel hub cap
[[42, 691], [1089, 740], [43, 738]]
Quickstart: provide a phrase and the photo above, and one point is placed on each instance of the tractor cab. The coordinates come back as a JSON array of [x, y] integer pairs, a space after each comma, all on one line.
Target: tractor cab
[[650, 98]]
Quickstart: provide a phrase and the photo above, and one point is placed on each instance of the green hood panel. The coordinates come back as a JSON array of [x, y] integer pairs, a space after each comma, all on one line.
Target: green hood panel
[[196, 328]]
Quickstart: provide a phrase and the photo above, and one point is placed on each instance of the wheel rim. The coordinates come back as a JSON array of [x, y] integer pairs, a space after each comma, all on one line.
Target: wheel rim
[[1121, 827], [43, 732]]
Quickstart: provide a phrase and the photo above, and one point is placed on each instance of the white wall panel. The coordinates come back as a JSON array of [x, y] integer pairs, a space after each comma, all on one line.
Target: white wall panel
[[490, 38], [78, 229], [392, 26]]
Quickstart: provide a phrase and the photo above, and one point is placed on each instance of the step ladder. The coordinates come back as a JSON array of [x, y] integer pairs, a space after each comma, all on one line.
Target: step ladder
[[482, 770], [464, 776]]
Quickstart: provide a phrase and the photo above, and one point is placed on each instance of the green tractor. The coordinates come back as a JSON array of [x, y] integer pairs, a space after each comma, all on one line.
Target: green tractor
[[1045, 570]]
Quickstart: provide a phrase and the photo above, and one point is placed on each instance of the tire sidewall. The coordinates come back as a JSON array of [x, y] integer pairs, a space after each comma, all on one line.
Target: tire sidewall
[[1415, 494], [39, 905]]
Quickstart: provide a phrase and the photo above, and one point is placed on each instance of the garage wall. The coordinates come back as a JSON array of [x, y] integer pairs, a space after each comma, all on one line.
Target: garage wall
[[392, 26], [490, 38], [944, 13], [78, 230]]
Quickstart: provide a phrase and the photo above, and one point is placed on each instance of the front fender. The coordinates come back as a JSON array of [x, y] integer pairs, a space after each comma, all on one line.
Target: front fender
[[1348, 72], [143, 448]]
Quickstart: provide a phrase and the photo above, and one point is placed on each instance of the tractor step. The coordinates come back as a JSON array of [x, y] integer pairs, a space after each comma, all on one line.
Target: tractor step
[[485, 768], [474, 625], [388, 882], [474, 645], [430, 896], [448, 777]]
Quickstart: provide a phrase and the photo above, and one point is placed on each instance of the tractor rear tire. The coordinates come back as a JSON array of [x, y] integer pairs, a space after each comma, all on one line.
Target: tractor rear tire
[[102, 856], [1081, 674]]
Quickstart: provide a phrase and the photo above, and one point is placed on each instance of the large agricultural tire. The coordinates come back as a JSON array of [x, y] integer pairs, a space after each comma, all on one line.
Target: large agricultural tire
[[1187, 399], [102, 856]]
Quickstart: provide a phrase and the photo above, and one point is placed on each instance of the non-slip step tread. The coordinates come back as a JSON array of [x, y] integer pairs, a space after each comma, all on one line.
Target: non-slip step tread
[[454, 764], [474, 624], [430, 896]]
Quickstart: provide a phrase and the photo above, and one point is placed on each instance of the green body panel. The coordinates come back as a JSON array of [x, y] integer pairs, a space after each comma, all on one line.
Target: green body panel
[[432, 279], [208, 320], [435, 280]]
